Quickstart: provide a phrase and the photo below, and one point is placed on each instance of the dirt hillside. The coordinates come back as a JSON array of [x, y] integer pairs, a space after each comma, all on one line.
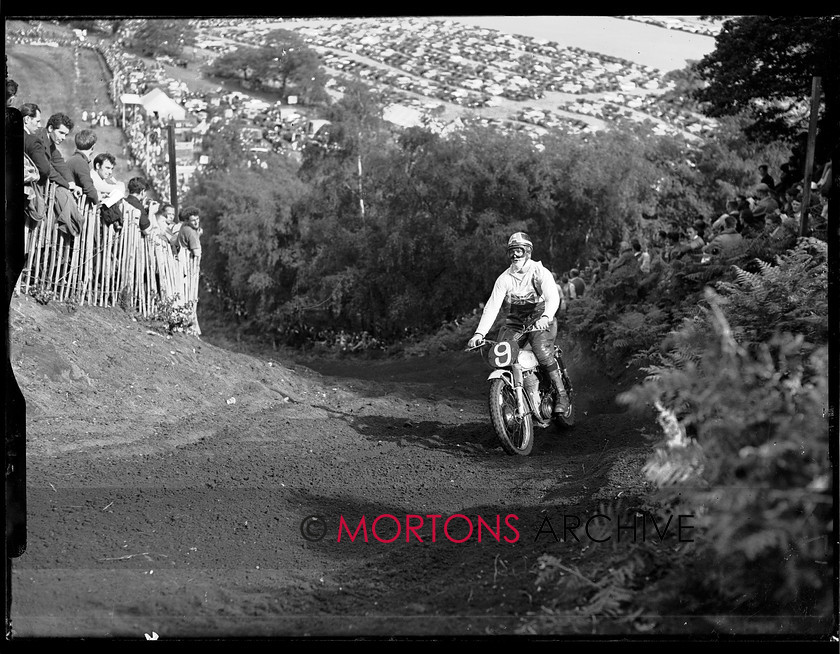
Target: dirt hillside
[[169, 481]]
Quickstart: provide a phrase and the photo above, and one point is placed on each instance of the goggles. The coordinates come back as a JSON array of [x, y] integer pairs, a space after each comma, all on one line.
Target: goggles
[[516, 252]]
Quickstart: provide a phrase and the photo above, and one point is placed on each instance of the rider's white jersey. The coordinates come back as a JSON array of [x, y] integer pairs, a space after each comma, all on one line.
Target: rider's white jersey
[[530, 292]]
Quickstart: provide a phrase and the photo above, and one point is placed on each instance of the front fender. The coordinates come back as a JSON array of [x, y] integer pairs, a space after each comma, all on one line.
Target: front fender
[[507, 375]]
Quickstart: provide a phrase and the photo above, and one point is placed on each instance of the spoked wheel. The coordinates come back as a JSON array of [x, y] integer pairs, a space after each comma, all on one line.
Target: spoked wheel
[[566, 420], [515, 434]]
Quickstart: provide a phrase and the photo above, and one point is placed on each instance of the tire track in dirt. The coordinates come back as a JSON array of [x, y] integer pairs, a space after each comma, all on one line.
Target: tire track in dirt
[[154, 503]]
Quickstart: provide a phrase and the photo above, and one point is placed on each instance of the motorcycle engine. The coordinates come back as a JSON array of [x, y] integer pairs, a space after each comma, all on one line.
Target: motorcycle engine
[[547, 406]]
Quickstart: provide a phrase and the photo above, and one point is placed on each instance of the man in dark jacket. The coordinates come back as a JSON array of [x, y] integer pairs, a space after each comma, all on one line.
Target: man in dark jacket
[[79, 163], [57, 129], [137, 192], [32, 144], [577, 281]]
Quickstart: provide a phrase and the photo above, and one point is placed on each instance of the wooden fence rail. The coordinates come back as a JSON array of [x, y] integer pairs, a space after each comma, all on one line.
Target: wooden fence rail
[[104, 267]]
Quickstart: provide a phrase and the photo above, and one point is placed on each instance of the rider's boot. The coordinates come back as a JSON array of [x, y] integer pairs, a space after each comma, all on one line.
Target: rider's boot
[[561, 403]]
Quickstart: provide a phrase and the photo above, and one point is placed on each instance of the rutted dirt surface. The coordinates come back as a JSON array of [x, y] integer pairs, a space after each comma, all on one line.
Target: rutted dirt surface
[[168, 480]]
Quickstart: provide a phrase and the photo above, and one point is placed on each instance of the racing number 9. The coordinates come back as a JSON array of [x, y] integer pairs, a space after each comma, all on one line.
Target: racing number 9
[[502, 355]]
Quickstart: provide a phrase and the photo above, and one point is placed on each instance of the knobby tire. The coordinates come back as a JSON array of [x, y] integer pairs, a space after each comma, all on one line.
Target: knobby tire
[[515, 435]]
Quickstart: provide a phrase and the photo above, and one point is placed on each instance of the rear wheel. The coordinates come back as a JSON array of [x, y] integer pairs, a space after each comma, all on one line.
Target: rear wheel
[[515, 434], [566, 420]]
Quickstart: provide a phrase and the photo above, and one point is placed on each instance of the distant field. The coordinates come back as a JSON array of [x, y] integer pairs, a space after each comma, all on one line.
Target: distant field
[[56, 80]]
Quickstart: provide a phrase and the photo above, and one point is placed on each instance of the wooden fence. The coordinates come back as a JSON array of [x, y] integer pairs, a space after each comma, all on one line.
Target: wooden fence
[[102, 266]]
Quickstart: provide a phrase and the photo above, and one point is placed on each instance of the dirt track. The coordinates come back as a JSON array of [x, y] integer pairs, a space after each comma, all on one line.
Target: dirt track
[[168, 480]]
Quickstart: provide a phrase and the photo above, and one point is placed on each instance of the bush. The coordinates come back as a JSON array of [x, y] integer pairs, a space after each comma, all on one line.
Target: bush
[[174, 315], [746, 443]]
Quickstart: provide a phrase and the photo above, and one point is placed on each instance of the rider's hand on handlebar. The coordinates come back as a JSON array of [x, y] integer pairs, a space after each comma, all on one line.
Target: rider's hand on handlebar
[[542, 323], [476, 340]]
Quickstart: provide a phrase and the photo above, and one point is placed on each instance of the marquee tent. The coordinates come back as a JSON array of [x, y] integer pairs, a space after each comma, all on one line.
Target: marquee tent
[[166, 107]]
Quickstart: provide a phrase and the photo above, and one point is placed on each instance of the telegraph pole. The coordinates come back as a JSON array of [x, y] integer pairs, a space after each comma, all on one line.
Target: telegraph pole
[[173, 179], [809, 155]]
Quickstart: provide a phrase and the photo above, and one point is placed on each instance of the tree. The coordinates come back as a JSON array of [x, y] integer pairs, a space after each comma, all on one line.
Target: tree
[[223, 145], [158, 36], [243, 64], [249, 232], [764, 65], [297, 66], [285, 63]]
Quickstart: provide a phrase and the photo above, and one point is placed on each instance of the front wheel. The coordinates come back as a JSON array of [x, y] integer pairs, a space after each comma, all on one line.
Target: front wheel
[[515, 434]]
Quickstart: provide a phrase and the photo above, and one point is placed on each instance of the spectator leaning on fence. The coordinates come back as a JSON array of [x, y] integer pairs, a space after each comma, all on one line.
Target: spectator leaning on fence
[[109, 188], [33, 145], [79, 163], [58, 127], [168, 226], [137, 194], [187, 237]]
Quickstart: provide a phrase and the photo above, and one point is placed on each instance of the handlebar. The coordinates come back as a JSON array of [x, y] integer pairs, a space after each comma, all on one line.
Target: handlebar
[[517, 335]]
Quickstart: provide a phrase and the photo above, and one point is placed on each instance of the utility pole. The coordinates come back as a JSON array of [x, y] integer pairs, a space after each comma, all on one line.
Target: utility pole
[[173, 180], [809, 155]]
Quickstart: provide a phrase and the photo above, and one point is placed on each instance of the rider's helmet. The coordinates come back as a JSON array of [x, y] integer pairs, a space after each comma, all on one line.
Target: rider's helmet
[[519, 248], [519, 239]]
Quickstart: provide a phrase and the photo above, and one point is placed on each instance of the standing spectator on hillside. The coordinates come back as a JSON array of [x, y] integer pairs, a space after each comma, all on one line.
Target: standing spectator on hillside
[[33, 146], [57, 129], [79, 164], [786, 180], [765, 177], [567, 293], [577, 281], [137, 195]]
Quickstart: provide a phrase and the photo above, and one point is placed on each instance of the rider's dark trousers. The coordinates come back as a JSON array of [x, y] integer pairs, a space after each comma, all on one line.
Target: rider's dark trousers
[[542, 342]]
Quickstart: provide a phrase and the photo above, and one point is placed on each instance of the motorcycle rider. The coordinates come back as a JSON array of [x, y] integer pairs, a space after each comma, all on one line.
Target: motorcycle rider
[[532, 297]]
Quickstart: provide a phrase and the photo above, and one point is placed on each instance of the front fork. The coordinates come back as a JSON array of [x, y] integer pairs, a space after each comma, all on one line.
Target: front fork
[[513, 377]]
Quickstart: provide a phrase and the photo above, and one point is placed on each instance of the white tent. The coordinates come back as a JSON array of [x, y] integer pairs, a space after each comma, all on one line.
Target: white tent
[[130, 98], [166, 107]]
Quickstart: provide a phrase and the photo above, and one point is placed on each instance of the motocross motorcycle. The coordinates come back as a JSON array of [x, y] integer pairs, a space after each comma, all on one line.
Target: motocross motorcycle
[[522, 395]]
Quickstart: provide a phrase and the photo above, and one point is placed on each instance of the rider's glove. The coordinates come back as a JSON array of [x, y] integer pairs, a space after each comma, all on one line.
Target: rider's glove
[[476, 340], [542, 323]]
